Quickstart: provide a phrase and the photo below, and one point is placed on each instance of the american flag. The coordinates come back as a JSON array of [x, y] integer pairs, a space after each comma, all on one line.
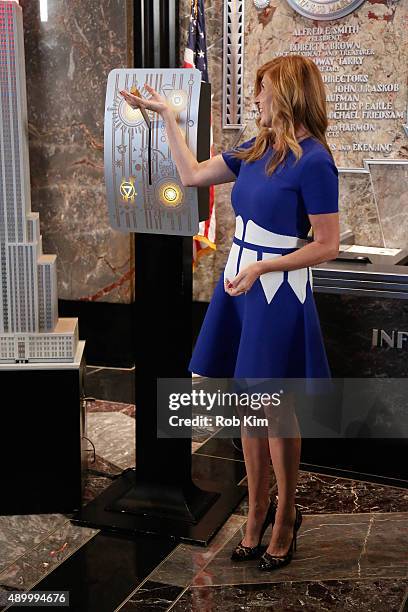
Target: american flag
[[195, 56]]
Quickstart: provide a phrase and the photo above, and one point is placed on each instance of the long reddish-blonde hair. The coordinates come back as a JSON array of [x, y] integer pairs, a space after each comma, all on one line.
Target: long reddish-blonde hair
[[298, 97]]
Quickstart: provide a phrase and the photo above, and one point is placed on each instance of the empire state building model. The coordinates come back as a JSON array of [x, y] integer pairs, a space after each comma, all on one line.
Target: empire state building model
[[30, 330]]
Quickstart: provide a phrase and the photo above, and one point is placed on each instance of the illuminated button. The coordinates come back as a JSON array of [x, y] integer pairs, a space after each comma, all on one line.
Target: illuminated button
[[127, 190], [131, 113], [177, 99], [170, 194]]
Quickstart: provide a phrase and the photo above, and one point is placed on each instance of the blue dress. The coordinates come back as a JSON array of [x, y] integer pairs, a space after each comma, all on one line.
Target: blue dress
[[273, 330]]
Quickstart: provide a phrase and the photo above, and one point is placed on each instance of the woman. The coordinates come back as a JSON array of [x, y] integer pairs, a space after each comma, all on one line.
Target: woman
[[262, 320]]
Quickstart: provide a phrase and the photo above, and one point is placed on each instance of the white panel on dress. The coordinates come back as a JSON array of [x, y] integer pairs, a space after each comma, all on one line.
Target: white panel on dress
[[248, 257], [311, 278], [263, 237], [230, 270], [297, 279], [239, 227], [271, 281]]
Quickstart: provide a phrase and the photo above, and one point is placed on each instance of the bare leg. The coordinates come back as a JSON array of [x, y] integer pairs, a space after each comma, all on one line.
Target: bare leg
[[257, 462], [285, 455]]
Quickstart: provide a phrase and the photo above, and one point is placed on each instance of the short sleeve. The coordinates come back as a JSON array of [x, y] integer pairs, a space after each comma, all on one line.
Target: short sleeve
[[234, 163], [319, 185]]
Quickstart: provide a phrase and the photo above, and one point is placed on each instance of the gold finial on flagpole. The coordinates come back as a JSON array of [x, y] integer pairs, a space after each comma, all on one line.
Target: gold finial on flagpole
[[195, 8]]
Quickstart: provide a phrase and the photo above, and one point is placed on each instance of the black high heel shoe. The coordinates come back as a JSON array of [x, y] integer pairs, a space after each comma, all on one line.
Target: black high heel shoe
[[270, 562], [248, 553]]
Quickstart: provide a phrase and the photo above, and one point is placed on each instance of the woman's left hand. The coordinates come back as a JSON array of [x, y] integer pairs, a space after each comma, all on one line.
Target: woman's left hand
[[243, 280]]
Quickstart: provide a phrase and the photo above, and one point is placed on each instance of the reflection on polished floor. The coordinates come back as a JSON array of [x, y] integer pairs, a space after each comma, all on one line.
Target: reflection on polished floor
[[352, 545]]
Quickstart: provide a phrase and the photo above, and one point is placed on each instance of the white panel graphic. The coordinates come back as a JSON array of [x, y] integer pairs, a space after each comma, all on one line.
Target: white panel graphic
[[248, 257], [260, 237], [297, 279], [230, 270], [271, 281]]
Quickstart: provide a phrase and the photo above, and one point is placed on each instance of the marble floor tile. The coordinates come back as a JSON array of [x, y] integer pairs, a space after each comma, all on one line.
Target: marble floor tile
[[320, 596], [21, 533], [43, 558], [33, 545], [105, 406], [152, 596], [183, 565], [321, 493], [330, 547], [95, 480], [110, 567], [202, 434], [199, 434], [195, 446], [113, 435]]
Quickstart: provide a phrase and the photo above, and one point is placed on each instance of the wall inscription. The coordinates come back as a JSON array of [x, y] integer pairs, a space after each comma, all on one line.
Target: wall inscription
[[363, 59]]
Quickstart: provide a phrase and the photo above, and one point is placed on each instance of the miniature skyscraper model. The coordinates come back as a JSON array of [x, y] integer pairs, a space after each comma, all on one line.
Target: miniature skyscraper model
[[30, 330]]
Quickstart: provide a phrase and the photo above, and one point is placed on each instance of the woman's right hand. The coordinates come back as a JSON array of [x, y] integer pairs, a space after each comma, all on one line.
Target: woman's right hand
[[156, 103]]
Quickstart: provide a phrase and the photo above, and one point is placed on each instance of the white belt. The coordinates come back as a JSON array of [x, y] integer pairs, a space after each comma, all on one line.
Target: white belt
[[260, 237], [264, 238]]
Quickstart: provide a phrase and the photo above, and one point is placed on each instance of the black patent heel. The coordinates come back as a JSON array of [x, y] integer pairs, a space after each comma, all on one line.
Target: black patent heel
[[271, 562], [248, 553]]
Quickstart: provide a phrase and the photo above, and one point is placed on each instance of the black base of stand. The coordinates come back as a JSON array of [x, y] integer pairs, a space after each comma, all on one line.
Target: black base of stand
[[160, 500], [160, 497], [193, 515]]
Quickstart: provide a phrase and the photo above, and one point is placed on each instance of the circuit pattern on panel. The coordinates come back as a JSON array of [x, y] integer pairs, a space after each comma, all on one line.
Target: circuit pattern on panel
[[135, 205]]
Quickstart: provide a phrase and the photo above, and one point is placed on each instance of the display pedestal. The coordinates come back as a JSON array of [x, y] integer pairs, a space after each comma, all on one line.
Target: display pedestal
[[42, 453], [161, 497]]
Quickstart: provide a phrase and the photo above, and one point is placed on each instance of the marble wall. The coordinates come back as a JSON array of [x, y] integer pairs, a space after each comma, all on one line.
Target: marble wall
[[373, 195], [68, 59]]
